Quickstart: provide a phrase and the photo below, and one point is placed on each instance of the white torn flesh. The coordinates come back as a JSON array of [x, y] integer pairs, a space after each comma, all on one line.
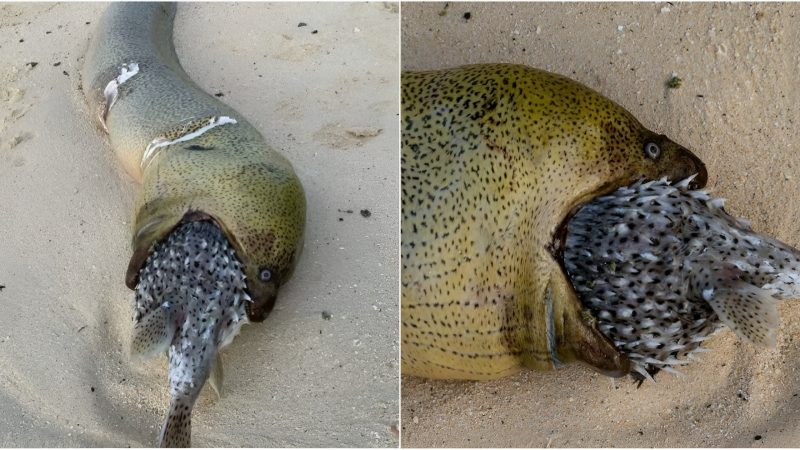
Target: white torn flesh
[[160, 142], [111, 92]]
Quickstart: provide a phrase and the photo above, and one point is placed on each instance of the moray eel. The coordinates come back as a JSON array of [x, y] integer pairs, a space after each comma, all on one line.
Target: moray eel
[[495, 159], [662, 267], [218, 225]]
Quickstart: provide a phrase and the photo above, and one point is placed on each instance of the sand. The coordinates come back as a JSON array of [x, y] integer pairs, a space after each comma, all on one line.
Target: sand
[[328, 101], [738, 110]]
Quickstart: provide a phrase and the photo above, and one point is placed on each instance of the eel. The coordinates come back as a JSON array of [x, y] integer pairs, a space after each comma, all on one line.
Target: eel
[[219, 220], [495, 159]]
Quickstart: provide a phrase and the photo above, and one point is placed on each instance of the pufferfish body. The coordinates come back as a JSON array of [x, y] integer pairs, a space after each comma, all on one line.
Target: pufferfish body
[[190, 302], [662, 267]]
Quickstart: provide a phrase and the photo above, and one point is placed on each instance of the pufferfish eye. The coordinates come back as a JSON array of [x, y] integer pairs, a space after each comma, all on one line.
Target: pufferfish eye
[[265, 275], [652, 150]]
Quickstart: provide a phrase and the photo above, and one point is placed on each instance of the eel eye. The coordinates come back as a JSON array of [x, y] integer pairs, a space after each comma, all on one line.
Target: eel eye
[[652, 150], [265, 275]]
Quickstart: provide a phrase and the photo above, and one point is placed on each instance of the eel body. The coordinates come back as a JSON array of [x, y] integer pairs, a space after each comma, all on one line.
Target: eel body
[[495, 158], [212, 190]]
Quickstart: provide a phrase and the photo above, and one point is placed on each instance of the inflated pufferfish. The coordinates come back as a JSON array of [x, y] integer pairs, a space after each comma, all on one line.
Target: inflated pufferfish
[[219, 221], [495, 160], [662, 267]]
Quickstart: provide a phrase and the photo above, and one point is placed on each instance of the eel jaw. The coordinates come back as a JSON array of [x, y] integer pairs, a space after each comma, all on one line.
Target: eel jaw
[[263, 296]]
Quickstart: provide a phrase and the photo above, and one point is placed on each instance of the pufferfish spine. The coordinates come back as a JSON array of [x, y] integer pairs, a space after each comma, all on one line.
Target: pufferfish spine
[[662, 267]]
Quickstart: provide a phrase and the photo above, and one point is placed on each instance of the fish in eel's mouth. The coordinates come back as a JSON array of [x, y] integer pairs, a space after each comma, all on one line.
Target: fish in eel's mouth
[[689, 167], [556, 247], [698, 180], [661, 266]]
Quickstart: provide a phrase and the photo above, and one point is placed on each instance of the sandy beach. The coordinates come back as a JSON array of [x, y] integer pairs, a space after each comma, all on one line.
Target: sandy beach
[[322, 370], [737, 110]]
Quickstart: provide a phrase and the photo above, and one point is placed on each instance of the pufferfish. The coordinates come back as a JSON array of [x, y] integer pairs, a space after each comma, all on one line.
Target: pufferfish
[[190, 302], [661, 267]]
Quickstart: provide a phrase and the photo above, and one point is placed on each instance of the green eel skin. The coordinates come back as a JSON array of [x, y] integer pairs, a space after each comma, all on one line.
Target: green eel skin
[[227, 174]]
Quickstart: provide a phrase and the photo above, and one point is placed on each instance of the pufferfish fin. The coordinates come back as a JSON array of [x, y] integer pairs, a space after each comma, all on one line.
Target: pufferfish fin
[[216, 378], [153, 332], [749, 311]]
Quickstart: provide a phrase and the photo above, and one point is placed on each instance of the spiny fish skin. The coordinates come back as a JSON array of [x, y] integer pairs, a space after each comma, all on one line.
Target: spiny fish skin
[[191, 299], [662, 267]]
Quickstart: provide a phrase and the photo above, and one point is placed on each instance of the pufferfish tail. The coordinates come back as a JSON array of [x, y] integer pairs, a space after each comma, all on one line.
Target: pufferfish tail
[[177, 429], [744, 274]]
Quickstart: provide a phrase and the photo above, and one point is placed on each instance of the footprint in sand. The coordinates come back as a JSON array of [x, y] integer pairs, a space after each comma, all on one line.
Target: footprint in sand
[[11, 105], [12, 108], [341, 137], [297, 53], [289, 110], [10, 144], [6, 147]]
